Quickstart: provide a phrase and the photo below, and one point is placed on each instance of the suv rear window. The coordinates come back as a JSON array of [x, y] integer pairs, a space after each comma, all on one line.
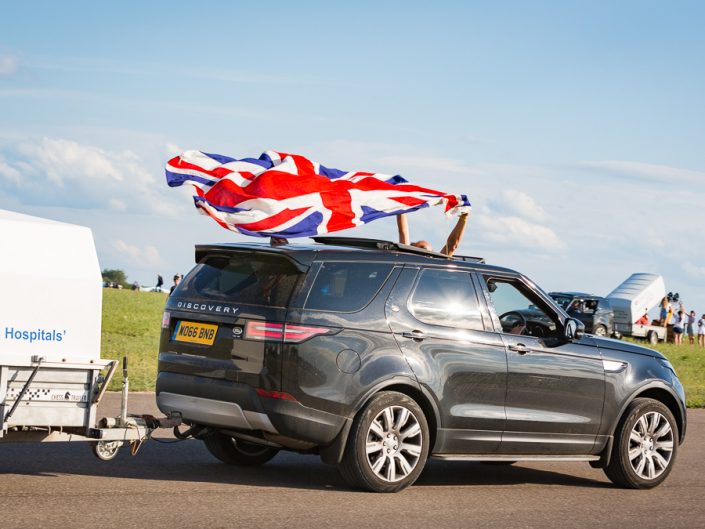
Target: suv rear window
[[346, 287], [255, 279]]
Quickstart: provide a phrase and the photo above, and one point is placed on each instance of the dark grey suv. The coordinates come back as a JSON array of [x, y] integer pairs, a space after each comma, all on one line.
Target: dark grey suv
[[595, 312], [377, 356]]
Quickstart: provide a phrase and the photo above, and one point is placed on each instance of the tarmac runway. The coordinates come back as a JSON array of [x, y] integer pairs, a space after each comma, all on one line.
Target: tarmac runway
[[181, 485]]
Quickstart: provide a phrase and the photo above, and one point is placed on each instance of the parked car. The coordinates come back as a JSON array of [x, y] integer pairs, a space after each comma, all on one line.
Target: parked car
[[595, 312], [376, 356]]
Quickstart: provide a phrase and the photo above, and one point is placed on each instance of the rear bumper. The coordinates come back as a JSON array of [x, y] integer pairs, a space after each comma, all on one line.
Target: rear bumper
[[230, 405]]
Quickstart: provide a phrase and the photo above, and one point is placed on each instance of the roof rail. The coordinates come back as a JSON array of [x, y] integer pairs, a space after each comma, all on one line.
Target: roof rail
[[469, 258], [379, 244], [375, 244]]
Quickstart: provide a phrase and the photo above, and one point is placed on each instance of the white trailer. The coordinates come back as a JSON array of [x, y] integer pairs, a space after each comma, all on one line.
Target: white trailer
[[51, 373], [637, 295]]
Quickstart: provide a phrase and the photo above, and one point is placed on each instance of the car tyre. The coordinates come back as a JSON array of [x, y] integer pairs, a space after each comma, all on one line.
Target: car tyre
[[601, 331], [235, 452], [645, 445], [652, 337], [388, 444]]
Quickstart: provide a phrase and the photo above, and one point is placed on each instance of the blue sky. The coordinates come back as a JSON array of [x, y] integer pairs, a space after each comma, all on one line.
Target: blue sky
[[577, 129]]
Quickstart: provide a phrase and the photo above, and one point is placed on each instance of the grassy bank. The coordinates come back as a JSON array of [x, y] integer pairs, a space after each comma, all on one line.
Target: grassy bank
[[689, 362], [131, 324]]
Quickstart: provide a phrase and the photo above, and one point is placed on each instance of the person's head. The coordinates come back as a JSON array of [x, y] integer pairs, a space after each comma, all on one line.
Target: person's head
[[692, 313], [424, 245]]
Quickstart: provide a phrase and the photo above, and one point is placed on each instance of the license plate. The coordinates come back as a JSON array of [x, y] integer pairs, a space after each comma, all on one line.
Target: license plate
[[194, 332]]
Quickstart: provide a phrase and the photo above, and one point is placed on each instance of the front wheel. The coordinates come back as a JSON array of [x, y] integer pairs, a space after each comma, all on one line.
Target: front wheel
[[235, 452], [388, 444], [601, 331], [645, 446]]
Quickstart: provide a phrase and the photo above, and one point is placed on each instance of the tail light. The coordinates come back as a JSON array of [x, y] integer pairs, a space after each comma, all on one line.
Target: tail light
[[288, 333], [166, 319]]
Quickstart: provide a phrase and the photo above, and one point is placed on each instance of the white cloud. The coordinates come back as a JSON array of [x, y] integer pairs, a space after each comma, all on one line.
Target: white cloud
[[646, 171], [9, 172], [694, 271], [171, 150], [61, 172], [145, 256], [8, 65], [515, 232], [62, 160], [518, 203]]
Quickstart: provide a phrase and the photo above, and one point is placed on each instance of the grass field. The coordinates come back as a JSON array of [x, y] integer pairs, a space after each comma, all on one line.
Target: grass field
[[689, 361], [132, 320], [131, 325]]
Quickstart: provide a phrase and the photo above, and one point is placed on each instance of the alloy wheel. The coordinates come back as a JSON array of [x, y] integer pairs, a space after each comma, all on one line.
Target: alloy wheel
[[650, 445], [394, 443]]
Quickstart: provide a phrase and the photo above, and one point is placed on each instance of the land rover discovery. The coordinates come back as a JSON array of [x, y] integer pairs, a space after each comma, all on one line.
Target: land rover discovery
[[377, 356]]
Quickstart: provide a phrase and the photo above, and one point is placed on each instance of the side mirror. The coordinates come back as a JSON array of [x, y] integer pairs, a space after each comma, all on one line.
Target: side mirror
[[573, 329]]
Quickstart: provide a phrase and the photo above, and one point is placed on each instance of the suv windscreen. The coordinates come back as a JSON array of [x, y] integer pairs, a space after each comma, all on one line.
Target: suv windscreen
[[255, 279], [346, 287]]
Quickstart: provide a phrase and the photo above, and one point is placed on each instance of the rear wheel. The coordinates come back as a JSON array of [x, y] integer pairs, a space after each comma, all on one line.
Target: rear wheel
[[388, 444], [645, 446], [235, 452], [652, 337], [601, 330]]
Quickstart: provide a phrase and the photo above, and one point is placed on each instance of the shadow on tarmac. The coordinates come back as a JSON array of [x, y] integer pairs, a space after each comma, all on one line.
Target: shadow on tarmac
[[189, 461]]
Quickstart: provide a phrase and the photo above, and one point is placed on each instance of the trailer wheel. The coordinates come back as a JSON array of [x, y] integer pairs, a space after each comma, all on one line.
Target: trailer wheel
[[652, 337], [601, 331], [106, 450]]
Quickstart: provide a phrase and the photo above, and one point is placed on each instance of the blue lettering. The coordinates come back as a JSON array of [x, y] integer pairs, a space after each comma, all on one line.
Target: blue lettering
[[33, 336]]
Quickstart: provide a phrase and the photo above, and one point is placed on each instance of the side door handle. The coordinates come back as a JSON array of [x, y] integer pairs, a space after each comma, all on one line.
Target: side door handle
[[519, 348], [414, 335]]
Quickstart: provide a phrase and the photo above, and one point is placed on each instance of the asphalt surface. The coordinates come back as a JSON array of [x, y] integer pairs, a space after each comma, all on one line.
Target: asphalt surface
[[181, 485]]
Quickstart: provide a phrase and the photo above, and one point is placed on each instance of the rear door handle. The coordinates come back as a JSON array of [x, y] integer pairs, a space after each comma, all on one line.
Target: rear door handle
[[519, 348], [414, 335]]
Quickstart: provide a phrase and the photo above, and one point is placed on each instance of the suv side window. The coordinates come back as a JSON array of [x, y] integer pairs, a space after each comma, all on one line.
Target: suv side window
[[442, 297], [346, 287], [519, 310]]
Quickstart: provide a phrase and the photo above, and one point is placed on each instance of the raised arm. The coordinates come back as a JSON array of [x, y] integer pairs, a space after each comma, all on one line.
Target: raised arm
[[403, 226], [455, 236]]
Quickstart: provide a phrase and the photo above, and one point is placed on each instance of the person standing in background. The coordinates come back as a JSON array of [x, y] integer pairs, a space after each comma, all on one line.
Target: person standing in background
[[160, 283], [701, 331], [177, 280], [665, 309], [690, 322], [678, 323]]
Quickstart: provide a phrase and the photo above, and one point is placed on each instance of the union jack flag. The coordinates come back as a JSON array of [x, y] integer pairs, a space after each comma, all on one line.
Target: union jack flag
[[287, 195]]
